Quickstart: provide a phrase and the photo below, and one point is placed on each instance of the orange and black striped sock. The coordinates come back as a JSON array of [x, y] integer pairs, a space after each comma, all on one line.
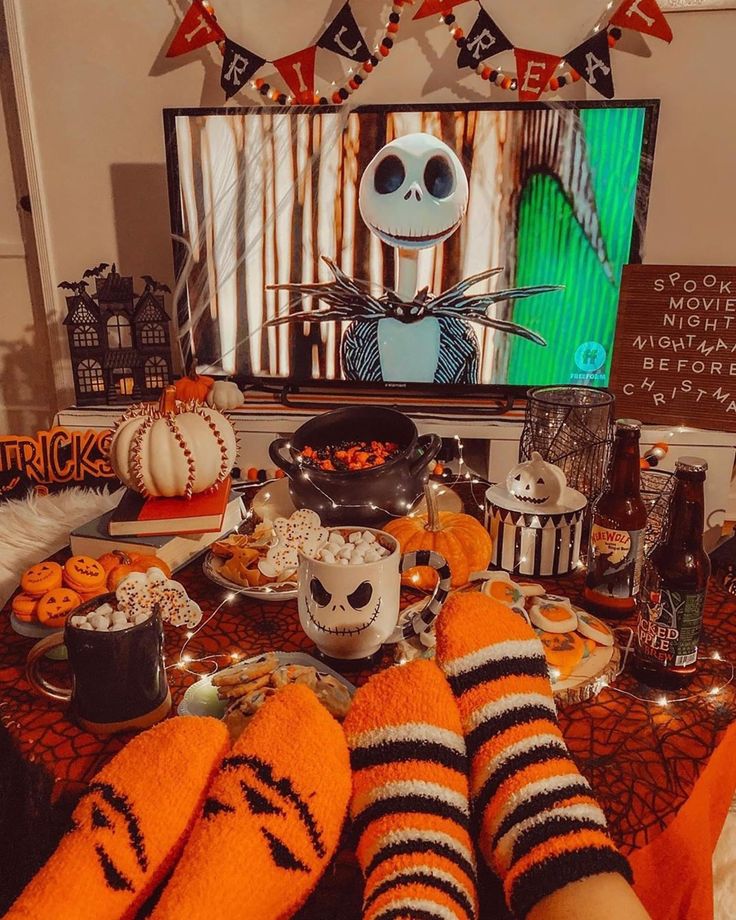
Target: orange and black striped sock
[[410, 797], [272, 818], [539, 826], [129, 826]]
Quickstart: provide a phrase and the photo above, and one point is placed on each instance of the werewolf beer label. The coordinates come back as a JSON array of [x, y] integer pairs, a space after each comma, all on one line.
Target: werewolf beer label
[[615, 560], [669, 626]]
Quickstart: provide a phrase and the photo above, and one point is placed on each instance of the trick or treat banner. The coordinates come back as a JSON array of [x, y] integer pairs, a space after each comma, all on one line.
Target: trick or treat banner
[[675, 354], [52, 459], [491, 28]]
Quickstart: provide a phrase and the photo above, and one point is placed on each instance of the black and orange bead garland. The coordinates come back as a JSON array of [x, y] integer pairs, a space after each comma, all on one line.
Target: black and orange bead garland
[[503, 80], [341, 95]]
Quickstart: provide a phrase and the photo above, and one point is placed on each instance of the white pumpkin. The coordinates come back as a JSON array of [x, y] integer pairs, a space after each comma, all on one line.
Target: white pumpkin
[[225, 394], [175, 449], [536, 482]]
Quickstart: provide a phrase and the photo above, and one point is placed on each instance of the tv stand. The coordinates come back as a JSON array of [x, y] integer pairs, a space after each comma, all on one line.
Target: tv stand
[[413, 402]]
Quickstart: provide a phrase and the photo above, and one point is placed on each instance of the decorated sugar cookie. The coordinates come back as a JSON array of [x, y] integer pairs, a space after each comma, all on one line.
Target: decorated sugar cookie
[[593, 628], [500, 587], [40, 578], [553, 617], [563, 651], [302, 531]]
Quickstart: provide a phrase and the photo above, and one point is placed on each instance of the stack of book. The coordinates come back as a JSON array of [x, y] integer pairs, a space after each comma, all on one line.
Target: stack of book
[[174, 529]]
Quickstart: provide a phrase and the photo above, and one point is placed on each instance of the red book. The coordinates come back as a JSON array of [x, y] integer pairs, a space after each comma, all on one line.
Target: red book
[[136, 516]]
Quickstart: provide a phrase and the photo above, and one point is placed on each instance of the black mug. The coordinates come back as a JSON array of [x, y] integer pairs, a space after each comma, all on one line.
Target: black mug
[[118, 678]]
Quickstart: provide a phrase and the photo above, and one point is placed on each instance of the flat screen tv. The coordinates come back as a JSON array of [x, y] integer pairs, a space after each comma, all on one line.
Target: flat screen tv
[[307, 254]]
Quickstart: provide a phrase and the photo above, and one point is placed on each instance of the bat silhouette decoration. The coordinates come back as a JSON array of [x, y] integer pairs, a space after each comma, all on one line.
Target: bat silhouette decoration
[[77, 286], [153, 285], [96, 271]]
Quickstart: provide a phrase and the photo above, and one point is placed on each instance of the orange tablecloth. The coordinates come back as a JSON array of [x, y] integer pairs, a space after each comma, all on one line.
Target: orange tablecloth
[[665, 776]]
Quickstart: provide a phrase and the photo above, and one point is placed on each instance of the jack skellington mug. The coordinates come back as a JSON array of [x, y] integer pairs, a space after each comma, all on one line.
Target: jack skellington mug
[[350, 610]]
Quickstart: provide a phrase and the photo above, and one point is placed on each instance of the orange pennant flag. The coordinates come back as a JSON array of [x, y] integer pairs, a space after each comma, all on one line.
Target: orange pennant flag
[[298, 71], [198, 28], [642, 16], [534, 70], [436, 8]]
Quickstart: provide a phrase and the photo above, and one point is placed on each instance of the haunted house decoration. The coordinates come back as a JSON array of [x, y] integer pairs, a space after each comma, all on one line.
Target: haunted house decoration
[[119, 341]]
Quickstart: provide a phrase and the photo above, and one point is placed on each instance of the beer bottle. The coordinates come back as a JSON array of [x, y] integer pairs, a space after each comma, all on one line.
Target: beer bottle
[[616, 546], [673, 587]]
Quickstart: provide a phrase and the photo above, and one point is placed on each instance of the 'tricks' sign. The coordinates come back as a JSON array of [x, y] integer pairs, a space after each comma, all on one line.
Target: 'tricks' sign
[[54, 457]]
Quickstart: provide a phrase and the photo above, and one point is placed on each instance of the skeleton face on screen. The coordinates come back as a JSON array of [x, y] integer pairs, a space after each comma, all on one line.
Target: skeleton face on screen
[[414, 192]]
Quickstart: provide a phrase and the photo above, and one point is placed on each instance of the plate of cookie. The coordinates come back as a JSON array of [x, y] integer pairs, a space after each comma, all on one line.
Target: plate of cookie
[[263, 564], [236, 693]]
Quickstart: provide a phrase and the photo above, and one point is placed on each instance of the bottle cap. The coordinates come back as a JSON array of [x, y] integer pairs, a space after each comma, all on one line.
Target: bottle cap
[[628, 424], [691, 464]]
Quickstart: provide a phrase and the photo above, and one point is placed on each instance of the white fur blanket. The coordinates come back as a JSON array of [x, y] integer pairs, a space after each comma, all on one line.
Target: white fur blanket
[[33, 528]]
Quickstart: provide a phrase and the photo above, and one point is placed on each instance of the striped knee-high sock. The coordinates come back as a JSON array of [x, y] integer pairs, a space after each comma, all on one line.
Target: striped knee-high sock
[[539, 827], [410, 806]]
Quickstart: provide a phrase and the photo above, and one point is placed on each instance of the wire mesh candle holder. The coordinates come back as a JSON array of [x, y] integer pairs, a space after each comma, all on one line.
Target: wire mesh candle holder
[[572, 427]]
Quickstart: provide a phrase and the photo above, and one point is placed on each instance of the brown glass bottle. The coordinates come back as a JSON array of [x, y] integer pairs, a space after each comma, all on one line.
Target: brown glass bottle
[[673, 589], [616, 545]]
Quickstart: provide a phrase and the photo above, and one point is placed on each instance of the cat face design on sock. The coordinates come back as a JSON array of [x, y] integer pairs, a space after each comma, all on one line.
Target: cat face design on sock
[[271, 809], [106, 817], [340, 612]]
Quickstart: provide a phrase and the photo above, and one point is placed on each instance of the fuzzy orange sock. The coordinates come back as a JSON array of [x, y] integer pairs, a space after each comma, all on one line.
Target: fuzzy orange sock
[[410, 797], [129, 826], [539, 825], [271, 821]]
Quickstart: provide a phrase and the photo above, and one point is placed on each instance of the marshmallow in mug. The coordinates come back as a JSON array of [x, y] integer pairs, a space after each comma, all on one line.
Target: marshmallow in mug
[[137, 595], [355, 548]]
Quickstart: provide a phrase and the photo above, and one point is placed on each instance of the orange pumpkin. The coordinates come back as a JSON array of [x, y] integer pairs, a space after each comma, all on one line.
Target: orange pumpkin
[[118, 564], [463, 541], [193, 388]]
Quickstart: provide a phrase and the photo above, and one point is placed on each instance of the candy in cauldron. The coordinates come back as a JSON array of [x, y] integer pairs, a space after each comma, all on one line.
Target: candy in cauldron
[[367, 496]]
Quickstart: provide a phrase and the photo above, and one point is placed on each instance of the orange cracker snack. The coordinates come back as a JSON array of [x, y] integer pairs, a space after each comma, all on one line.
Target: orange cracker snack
[[129, 826], [271, 821], [540, 826], [410, 805]]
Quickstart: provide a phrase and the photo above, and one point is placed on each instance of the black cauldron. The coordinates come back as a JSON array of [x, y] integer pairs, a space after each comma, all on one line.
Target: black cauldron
[[365, 497]]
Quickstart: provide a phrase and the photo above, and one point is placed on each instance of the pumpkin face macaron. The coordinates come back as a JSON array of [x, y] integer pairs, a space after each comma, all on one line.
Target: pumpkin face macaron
[[56, 605], [40, 578], [84, 575], [24, 607]]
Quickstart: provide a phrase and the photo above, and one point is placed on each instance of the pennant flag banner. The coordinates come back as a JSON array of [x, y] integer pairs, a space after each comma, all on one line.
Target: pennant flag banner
[[592, 60], [298, 71], [437, 8], [344, 37], [238, 66], [483, 41], [533, 72], [198, 28], [642, 16]]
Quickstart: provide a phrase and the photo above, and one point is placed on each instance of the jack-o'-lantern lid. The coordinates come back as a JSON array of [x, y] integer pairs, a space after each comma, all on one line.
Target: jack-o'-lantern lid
[[535, 486]]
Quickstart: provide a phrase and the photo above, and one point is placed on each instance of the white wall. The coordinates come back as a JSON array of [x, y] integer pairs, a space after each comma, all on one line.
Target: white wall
[[97, 81], [24, 391]]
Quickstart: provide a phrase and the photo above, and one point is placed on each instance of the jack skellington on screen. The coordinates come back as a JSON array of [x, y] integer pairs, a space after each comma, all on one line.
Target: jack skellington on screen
[[413, 195]]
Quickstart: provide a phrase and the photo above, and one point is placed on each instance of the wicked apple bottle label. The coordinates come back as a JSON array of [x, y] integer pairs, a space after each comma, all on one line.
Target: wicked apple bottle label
[[669, 625], [615, 560]]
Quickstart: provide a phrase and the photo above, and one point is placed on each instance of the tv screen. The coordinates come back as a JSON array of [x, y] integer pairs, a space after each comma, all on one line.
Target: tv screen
[[455, 246]]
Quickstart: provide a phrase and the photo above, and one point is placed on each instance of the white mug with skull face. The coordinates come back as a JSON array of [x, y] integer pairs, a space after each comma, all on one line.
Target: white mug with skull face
[[349, 611]]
